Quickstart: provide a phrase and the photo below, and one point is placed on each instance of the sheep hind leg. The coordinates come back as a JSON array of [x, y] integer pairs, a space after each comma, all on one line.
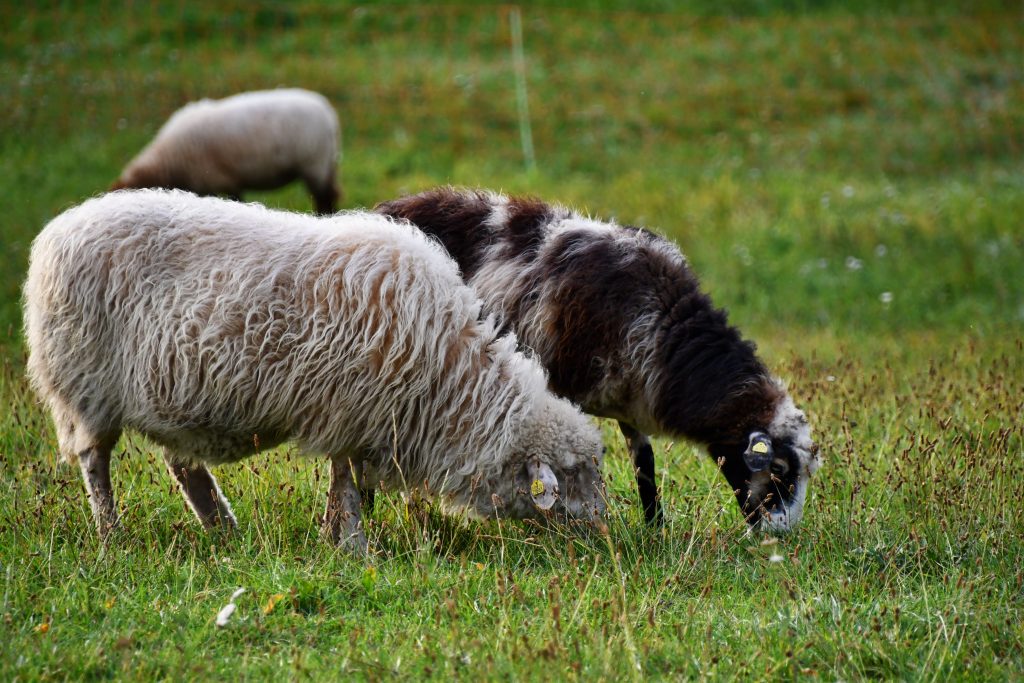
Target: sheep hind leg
[[94, 462], [342, 521], [201, 493], [643, 462]]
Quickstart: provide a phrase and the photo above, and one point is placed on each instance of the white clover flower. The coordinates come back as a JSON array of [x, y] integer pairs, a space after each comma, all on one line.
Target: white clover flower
[[743, 254], [885, 298], [854, 263], [227, 610], [224, 614]]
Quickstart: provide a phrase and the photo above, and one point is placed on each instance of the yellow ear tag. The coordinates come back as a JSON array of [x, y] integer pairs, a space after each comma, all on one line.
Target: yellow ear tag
[[537, 487], [760, 447]]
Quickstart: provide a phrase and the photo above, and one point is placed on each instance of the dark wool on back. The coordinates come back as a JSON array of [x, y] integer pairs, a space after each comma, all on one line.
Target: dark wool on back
[[619, 321]]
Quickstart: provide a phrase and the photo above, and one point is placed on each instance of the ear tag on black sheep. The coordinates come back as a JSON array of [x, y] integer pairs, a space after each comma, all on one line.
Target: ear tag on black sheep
[[759, 452]]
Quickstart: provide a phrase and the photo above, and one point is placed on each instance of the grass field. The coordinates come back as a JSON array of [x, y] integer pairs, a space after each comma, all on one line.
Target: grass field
[[849, 183]]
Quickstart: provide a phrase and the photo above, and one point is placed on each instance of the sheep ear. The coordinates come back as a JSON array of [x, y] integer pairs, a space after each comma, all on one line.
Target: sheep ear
[[543, 484], [759, 451]]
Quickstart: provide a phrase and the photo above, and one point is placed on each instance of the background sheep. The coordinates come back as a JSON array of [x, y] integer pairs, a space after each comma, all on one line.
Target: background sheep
[[618, 319], [218, 329], [252, 141]]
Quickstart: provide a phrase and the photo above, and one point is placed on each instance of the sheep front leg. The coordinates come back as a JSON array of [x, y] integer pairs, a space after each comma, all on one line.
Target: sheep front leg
[[325, 192], [342, 521], [643, 462], [95, 465], [202, 493]]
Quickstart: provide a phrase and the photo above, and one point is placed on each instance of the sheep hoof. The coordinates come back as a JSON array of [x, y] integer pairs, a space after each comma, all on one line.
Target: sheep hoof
[[224, 527], [356, 544], [110, 529], [350, 540]]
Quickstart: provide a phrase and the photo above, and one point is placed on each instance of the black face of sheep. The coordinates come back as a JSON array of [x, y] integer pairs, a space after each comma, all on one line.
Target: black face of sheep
[[768, 476]]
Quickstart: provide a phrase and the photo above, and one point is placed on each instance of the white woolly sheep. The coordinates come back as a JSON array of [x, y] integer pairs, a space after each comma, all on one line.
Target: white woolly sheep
[[259, 140], [619, 321], [218, 329]]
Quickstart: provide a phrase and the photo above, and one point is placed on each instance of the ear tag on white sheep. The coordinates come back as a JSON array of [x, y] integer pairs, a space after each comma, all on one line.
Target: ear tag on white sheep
[[544, 486], [759, 452]]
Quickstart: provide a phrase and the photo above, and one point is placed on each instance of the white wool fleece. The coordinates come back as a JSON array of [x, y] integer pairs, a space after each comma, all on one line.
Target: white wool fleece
[[255, 140], [218, 329]]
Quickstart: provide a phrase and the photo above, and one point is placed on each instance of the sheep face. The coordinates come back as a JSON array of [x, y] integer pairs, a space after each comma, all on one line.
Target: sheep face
[[553, 472], [770, 471]]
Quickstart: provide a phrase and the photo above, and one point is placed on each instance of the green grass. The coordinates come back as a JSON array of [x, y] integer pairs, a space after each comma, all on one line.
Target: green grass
[[808, 159]]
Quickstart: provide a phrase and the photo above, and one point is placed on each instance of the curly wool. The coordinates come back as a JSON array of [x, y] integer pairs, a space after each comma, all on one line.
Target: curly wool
[[219, 329]]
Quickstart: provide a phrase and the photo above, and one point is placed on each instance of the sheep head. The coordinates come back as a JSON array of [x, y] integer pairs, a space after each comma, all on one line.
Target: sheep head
[[552, 472], [769, 469]]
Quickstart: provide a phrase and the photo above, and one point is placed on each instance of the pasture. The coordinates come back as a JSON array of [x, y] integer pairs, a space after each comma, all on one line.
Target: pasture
[[848, 183]]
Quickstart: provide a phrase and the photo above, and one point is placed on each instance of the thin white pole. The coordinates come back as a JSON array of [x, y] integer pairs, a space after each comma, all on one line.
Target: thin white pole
[[519, 62]]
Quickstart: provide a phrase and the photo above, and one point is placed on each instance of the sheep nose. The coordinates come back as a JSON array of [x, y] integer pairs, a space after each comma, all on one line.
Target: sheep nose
[[777, 516]]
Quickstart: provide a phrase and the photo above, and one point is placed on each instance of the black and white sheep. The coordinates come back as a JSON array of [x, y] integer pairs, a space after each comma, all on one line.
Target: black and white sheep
[[619, 321], [258, 140], [219, 329]]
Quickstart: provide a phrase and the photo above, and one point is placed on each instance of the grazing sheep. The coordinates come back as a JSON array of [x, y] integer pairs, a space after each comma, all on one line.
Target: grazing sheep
[[618, 319], [252, 141], [219, 329]]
